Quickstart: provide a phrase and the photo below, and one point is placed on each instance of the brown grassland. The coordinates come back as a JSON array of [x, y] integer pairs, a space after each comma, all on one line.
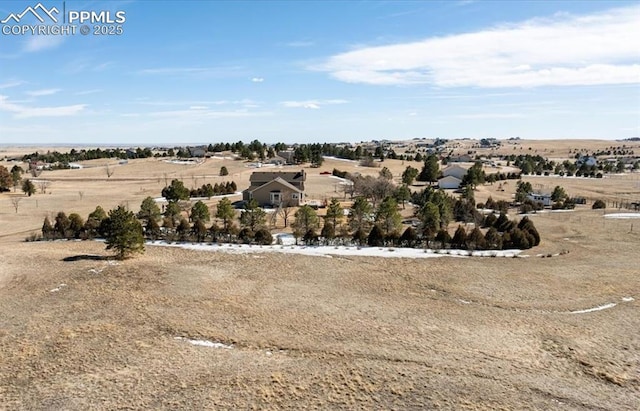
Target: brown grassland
[[79, 331]]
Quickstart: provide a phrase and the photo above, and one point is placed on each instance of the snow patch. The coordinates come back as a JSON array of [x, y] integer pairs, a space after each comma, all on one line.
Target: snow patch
[[598, 308], [205, 343], [58, 288], [622, 215], [627, 299], [328, 251], [339, 159]]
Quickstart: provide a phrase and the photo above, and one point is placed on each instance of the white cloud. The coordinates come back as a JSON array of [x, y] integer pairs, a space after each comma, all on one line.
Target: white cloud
[[257, 79], [489, 116], [202, 113], [44, 92], [9, 84], [600, 48], [20, 111], [85, 92], [219, 71], [298, 44], [38, 43], [312, 104]]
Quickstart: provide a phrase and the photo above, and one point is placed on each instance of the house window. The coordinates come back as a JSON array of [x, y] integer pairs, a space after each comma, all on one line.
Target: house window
[[275, 197], [294, 196]]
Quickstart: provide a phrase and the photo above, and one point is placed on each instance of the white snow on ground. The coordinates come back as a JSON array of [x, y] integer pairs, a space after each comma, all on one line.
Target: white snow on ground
[[328, 251], [339, 159], [598, 308], [184, 162], [622, 215], [627, 299], [58, 288], [205, 343], [164, 200]]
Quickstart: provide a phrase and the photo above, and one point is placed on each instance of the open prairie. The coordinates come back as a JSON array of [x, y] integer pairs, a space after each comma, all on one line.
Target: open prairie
[[182, 329]]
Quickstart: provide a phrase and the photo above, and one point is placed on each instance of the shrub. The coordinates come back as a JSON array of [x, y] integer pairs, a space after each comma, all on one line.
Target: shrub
[[263, 237], [598, 204]]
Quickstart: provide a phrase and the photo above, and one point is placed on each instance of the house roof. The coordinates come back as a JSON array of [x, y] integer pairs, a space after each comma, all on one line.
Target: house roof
[[288, 176], [450, 179], [275, 182], [454, 166]]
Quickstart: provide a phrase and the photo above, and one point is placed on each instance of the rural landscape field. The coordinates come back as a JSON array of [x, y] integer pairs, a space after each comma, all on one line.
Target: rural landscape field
[[320, 205], [175, 328]]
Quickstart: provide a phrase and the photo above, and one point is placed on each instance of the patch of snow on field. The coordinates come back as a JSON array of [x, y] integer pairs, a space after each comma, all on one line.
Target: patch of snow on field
[[598, 308], [339, 159], [328, 251], [182, 162], [58, 288], [627, 299], [205, 343], [622, 215], [164, 200]]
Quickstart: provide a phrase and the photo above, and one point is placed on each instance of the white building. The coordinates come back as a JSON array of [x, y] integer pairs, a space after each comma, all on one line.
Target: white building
[[458, 171], [449, 182], [544, 199]]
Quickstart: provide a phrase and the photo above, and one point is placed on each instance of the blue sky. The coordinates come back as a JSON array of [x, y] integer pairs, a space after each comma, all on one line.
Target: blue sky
[[300, 71]]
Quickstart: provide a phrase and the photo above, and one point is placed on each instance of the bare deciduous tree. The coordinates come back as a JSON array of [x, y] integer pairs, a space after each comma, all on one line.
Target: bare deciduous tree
[[44, 184], [16, 201], [81, 194], [285, 207], [109, 171]]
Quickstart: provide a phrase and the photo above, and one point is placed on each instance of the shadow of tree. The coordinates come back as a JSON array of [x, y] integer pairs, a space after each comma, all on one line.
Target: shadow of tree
[[91, 257]]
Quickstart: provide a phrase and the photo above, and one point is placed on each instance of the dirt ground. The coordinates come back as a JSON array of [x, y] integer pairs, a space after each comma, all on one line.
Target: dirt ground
[[79, 331]]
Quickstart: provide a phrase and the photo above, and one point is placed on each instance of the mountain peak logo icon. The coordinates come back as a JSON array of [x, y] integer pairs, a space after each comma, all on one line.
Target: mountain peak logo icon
[[38, 11]]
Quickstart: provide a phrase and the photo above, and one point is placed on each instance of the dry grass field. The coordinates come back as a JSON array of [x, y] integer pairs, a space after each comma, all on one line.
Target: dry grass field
[[79, 331]]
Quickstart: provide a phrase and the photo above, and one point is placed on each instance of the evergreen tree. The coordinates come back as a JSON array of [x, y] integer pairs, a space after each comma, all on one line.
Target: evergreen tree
[[459, 238], [409, 237], [376, 237], [48, 232], [61, 226], [226, 213], [183, 229], [492, 239], [443, 237], [253, 217], [388, 217], [475, 240], [409, 174], [306, 219], [123, 233], [527, 226], [263, 237], [430, 169], [76, 225], [360, 214], [28, 187], [386, 173], [199, 230], [200, 212], [224, 171], [335, 213], [176, 191], [149, 210]]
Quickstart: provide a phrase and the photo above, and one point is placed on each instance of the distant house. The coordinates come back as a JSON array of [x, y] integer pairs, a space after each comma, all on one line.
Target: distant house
[[449, 182], [589, 161], [455, 170], [274, 187], [197, 151], [287, 156], [464, 158], [544, 199]]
